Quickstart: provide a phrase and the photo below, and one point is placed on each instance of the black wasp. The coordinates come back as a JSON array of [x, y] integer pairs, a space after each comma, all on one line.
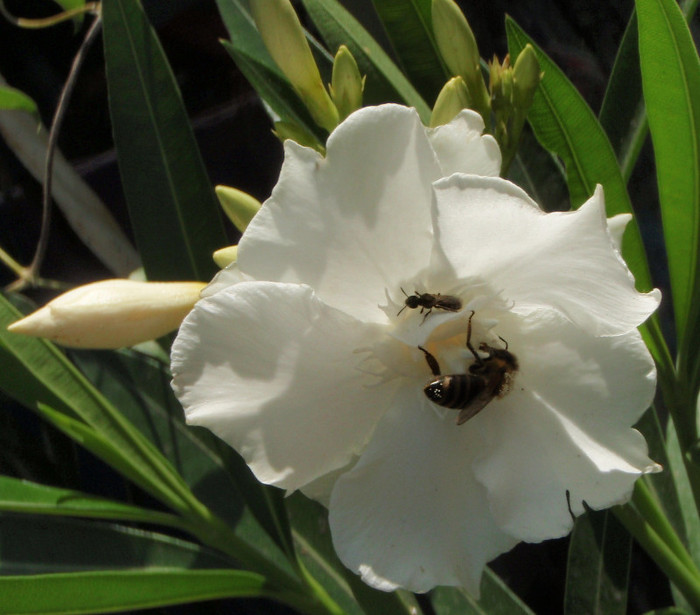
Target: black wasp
[[429, 302]]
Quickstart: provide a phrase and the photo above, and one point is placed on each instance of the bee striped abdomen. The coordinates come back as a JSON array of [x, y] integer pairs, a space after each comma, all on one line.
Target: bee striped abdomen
[[455, 391]]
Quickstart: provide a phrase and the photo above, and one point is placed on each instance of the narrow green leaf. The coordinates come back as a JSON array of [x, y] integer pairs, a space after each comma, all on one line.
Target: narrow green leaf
[[50, 379], [408, 24], [671, 82], [597, 573], [565, 125], [173, 209], [218, 476], [41, 544], [385, 82], [110, 591], [496, 599], [275, 90], [13, 99], [22, 496]]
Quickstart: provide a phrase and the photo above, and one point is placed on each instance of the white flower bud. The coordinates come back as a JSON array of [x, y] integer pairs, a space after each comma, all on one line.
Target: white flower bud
[[112, 313], [238, 206]]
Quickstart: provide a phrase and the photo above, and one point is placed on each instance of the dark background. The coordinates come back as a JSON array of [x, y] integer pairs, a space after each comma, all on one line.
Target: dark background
[[239, 149]]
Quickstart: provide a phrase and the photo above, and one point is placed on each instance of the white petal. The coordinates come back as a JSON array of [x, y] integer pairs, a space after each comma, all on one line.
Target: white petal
[[410, 514], [228, 276], [488, 227], [461, 148], [272, 371], [355, 222], [565, 426]]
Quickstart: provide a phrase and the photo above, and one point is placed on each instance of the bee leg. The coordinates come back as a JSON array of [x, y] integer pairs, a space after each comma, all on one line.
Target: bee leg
[[469, 340], [426, 314], [432, 362], [568, 505]]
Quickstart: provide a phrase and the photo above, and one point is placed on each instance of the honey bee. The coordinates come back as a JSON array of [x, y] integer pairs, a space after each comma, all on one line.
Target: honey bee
[[470, 393], [428, 301]]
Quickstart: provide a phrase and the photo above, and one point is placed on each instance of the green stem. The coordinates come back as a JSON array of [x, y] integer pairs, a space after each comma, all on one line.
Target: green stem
[[687, 581], [649, 509]]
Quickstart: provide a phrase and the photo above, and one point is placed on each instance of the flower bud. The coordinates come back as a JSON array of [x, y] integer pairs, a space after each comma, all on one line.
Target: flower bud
[[112, 313], [288, 130], [526, 78], [239, 206], [453, 97], [347, 84], [284, 38], [225, 256], [459, 50]]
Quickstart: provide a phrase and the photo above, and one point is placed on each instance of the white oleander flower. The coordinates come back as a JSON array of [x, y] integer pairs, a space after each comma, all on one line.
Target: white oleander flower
[[305, 355]]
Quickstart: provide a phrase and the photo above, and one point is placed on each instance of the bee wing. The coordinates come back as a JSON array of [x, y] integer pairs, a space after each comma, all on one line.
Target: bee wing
[[476, 406]]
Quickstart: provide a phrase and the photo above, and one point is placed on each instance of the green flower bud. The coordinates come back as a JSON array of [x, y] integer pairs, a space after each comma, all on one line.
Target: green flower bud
[[225, 256], [453, 97], [459, 50], [239, 206], [287, 130], [526, 78], [347, 84], [284, 38]]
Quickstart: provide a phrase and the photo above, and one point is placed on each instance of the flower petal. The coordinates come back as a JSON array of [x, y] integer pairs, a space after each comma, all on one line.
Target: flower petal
[[488, 227], [565, 426], [461, 148], [272, 371], [355, 222], [411, 514]]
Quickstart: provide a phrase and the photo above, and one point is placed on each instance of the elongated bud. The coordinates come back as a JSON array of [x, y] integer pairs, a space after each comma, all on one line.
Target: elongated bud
[[526, 78], [453, 97], [225, 256], [347, 84], [112, 313], [284, 38], [287, 130], [239, 206], [459, 50]]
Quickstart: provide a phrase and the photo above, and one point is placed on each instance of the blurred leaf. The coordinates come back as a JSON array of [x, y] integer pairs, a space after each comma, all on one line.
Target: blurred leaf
[[496, 599], [108, 591], [173, 209], [12, 99], [408, 24], [33, 371], [21, 496], [385, 82], [671, 81], [275, 90], [140, 387], [38, 544], [312, 534], [597, 572]]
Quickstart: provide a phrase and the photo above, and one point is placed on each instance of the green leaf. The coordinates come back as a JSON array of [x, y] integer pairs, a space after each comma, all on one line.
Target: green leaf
[[109, 591], [312, 534], [39, 544], [597, 573], [173, 209], [21, 496], [34, 372], [275, 90], [671, 82], [13, 99], [408, 24], [385, 82], [565, 125], [496, 599], [140, 386]]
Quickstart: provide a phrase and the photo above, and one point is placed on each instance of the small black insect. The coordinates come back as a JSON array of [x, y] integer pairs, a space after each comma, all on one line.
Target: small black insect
[[428, 301], [470, 393]]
